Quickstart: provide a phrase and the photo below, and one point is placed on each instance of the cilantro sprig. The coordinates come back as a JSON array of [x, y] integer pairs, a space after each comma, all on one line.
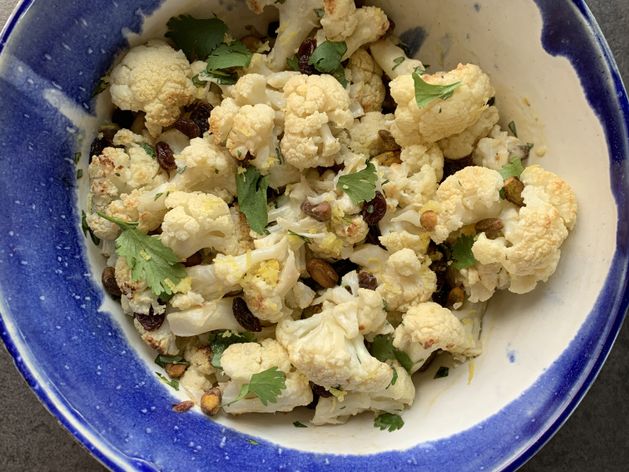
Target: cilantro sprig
[[222, 340], [266, 385], [87, 230], [382, 349], [388, 421], [148, 258], [359, 186], [462, 255], [513, 169], [251, 189], [426, 93], [327, 57], [162, 360], [173, 383], [196, 37]]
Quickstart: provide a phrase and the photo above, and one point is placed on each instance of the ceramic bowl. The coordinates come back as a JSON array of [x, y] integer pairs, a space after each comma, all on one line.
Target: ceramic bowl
[[554, 77]]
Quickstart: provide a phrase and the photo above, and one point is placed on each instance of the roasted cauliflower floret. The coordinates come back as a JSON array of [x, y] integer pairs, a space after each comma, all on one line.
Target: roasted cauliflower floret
[[497, 149], [136, 296], [155, 79], [210, 316], [242, 360], [427, 327], [392, 59], [461, 145], [365, 134], [440, 118], [313, 104], [366, 86]]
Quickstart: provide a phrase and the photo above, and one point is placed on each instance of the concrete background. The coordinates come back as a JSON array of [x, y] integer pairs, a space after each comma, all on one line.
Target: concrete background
[[595, 438]]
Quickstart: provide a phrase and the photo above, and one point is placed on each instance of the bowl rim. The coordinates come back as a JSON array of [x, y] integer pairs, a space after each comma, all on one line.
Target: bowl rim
[[115, 459]]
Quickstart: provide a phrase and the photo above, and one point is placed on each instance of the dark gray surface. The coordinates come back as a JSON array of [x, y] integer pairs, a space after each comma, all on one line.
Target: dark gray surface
[[595, 438]]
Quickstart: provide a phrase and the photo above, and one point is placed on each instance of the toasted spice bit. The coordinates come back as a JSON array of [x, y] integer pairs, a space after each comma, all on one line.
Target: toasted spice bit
[[320, 212], [374, 210], [322, 272], [492, 227], [456, 297], [183, 406], [513, 188], [243, 315], [388, 142], [175, 370], [109, 282], [194, 259], [165, 156], [211, 401], [367, 280], [428, 220], [388, 158]]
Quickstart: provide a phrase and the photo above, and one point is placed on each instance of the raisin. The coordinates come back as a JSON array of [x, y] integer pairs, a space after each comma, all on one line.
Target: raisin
[[367, 280], [150, 322], [188, 127], [245, 318], [165, 156], [109, 282], [303, 56], [374, 210], [200, 114], [123, 118], [373, 236]]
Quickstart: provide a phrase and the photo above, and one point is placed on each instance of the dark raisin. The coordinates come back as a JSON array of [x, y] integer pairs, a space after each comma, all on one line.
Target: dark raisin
[[367, 280], [303, 56], [200, 114], [272, 29], [109, 282], [374, 210], [150, 322], [194, 259], [373, 236], [123, 118], [344, 266], [188, 127], [165, 156], [451, 166], [388, 104], [320, 391], [243, 315], [96, 149], [439, 266]]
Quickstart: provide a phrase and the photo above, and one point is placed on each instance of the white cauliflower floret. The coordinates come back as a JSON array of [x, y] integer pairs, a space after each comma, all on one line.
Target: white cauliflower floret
[[241, 361], [468, 196], [407, 187], [200, 375], [396, 397], [136, 296], [482, 280], [205, 283], [155, 79], [461, 145], [428, 327], [210, 316], [364, 134], [402, 229], [196, 221], [313, 104], [498, 149], [342, 21], [297, 19], [392, 59], [162, 339], [329, 349], [366, 86], [406, 280], [440, 118]]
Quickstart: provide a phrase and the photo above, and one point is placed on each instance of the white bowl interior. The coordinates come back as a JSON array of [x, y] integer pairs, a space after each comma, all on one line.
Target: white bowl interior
[[522, 334]]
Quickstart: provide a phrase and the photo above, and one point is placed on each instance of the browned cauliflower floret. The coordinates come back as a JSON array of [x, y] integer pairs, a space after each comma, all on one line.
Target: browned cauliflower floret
[[366, 86]]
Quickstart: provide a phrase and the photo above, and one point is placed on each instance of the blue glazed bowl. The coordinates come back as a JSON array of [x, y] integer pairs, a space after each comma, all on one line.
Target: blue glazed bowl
[[536, 366]]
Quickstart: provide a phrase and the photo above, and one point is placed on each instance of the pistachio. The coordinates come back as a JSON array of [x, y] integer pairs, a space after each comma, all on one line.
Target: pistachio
[[388, 158], [388, 142], [492, 227], [513, 191], [456, 297], [320, 212], [428, 220], [109, 282], [175, 371], [183, 406], [211, 401], [322, 272]]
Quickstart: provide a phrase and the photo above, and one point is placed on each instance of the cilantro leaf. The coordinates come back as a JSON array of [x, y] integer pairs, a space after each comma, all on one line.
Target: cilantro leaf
[[299, 424], [513, 169], [266, 385], [196, 37], [382, 349], [512, 128], [161, 360], [148, 258], [327, 57], [359, 186], [79, 174], [102, 84], [226, 56], [397, 61], [426, 93], [149, 150], [462, 255], [87, 230], [251, 190], [174, 383], [222, 340], [393, 378], [388, 421], [441, 372]]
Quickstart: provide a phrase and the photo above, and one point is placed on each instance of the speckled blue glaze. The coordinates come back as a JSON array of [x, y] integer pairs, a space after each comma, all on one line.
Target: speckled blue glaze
[[80, 364]]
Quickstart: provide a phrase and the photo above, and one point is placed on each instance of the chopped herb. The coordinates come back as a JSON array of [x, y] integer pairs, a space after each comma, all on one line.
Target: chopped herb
[[397, 61], [279, 155], [253, 442], [227, 56], [512, 128], [513, 169], [442, 372], [149, 150], [157, 196], [251, 189], [102, 84], [196, 37], [79, 174], [87, 230], [303, 238], [198, 82], [170, 382], [77, 157], [181, 170], [266, 385], [221, 77], [359, 186], [320, 12], [299, 424], [222, 340], [327, 57], [426, 93], [382, 349], [292, 63], [393, 378], [462, 255], [148, 258], [161, 360], [388, 421], [337, 393]]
